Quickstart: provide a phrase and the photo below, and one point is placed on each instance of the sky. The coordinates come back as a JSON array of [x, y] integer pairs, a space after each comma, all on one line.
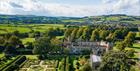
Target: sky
[[72, 8]]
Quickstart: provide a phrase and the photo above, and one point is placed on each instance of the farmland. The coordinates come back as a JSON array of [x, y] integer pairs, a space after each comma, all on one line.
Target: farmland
[[5, 28]]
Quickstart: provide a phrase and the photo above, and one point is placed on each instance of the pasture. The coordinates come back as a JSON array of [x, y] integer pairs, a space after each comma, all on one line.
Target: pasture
[[25, 28]]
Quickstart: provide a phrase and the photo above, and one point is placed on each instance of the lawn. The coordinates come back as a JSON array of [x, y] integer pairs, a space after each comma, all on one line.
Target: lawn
[[31, 57], [25, 40], [1, 55], [137, 34], [60, 37], [136, 47]]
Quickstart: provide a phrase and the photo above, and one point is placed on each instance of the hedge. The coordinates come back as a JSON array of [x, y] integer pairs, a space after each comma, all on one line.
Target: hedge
[[61, 66], [4, 66], [15, 64], [67, 68]]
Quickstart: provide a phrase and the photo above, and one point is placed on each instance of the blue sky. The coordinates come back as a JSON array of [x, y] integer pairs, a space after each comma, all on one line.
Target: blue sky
[[73, 8]]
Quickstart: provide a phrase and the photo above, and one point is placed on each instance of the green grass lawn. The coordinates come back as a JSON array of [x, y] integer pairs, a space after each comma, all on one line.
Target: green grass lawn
[[136, 47], [60, 37], [25, 40], [137, 34], [31, 56], [1, 55]]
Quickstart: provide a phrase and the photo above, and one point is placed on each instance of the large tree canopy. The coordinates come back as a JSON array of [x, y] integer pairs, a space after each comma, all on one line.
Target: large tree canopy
[[115, 61], [42, 45]]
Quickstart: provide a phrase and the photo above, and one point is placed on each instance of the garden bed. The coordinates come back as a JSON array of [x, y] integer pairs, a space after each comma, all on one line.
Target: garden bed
[[39, 65]]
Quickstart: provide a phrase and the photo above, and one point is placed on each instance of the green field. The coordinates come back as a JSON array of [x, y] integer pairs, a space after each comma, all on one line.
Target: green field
[[23, 28], [79, 20], [136, 47]]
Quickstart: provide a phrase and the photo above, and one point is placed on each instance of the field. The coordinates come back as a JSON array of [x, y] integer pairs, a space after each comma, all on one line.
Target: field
[[5, 28], [25, 28], [136, 47], [77, 20]]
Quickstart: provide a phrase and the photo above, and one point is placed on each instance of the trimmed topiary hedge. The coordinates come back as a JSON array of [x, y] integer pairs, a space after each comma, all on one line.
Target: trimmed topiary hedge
[[15, 64], [67, 66], [4, 66], [61, 66]]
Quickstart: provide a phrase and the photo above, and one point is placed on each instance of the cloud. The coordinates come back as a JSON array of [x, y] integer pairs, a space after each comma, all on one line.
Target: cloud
[[36, 7], [16, 5], [123, 6]]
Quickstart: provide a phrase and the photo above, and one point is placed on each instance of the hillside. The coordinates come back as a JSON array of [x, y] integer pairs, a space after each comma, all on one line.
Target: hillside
[[104, 19]]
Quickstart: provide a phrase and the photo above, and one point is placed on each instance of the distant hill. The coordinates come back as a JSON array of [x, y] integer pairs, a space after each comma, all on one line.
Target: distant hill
[[104, 19]]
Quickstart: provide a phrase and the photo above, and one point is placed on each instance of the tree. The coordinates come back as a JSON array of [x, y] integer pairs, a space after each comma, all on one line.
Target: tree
[[95, 35], [120, 46], [16, 33], [129, 39], [51, 32], [42, 46], [103, 34], [36, 34], [130, 53], [68, 32], [115, 61], [73, 34], [7, 36], [56, 44], [86, 34], [118, 34], [14, 40], [79, 32], [66, 51], [29, 45], [124, 33], [2, 40], [111, 37], [10, 50], [86, 67]]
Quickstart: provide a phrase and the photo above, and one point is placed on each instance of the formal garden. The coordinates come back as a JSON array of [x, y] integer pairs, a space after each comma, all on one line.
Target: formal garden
[[39, 65], [71, 63]]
